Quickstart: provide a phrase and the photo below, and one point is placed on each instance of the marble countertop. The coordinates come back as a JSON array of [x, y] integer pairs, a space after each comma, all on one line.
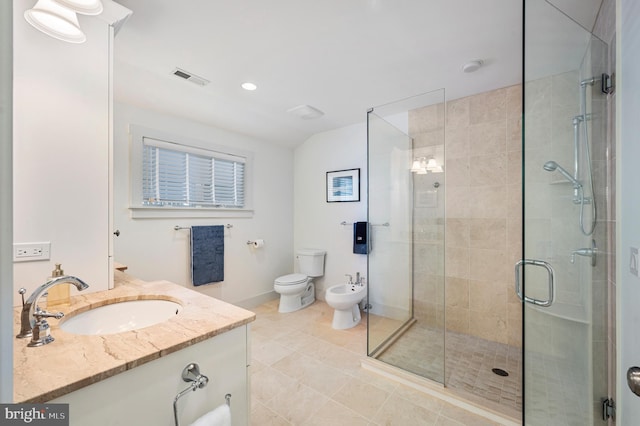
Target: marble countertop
[[74, 361]]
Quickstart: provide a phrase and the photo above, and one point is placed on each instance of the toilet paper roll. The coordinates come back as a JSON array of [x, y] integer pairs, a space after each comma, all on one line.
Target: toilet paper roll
[[258, 243]]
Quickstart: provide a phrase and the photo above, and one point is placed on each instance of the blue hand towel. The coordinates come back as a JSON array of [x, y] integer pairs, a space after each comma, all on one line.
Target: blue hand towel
[[360, 245], [207, 254]]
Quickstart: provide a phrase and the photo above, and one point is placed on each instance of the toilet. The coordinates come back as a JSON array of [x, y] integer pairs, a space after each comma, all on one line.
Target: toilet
[[297, 291], [344, 298]]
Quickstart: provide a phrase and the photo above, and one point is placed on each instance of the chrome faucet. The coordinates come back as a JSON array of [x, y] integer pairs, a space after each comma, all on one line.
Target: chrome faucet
[[350, 278], [359, 279], [32, 319], [587, 252]]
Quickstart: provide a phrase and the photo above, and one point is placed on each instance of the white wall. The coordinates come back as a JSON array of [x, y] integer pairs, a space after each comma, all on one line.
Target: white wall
[[153, 250], [60, 150], [6, 202], [316, 222], [628, 154]]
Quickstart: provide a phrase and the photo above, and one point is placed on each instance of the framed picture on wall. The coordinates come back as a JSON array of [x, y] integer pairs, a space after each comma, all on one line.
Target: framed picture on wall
[[343, 186]]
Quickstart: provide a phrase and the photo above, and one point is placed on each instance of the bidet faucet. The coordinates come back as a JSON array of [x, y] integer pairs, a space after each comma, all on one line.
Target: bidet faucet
[[350, 278], [32, 319], [359, 279]]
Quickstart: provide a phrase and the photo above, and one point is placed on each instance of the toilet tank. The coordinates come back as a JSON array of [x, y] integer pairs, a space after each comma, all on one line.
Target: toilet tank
[[311, 262]]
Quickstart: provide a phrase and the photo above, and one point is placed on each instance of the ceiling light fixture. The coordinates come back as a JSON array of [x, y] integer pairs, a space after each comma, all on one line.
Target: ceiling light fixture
[[56, 21], [472, 66], [249, 86], [306, 112]]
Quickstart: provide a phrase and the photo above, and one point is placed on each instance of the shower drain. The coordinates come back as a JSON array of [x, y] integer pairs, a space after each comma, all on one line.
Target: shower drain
[[500, 372]]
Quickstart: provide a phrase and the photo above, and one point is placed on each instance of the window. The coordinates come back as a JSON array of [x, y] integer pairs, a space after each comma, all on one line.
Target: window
[[185, 176]]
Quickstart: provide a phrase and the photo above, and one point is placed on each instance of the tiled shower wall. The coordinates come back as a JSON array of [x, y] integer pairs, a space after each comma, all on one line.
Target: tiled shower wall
[[482, 192]]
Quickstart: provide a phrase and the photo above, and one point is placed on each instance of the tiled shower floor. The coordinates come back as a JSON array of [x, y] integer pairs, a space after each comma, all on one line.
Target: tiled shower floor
[[468, 365]]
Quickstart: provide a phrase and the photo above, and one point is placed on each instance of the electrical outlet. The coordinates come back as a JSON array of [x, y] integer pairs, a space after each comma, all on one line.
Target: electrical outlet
[[28, 252]]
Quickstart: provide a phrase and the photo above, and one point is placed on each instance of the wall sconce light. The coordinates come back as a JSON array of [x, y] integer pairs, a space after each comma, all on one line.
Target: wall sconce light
[[433, 166], [58, 19], [84, 7], [421, 166]]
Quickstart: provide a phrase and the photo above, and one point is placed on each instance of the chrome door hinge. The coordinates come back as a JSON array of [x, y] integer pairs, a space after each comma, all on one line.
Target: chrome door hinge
[[608, 83], [608, 409]]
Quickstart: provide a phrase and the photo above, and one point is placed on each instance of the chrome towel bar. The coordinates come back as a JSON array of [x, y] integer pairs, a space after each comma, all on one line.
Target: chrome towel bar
[[178, 227], [344, 223]]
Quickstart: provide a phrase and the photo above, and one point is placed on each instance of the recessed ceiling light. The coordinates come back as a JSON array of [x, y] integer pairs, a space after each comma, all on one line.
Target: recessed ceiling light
[[249, 86], [472, 66]]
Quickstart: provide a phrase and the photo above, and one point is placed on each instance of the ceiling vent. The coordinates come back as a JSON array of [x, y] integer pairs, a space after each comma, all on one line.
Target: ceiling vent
[[190, 77], [306, 112]]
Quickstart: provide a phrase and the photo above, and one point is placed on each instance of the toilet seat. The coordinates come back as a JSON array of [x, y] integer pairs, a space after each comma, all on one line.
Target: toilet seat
[[291, 279]]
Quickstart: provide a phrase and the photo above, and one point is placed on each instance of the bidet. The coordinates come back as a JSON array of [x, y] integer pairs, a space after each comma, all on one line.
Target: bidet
[[344, 298]]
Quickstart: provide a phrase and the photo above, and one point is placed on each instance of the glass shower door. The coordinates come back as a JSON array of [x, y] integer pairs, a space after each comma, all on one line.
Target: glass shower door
[[562, 277]]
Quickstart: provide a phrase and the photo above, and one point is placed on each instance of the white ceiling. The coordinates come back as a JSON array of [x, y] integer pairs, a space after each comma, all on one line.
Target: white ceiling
[[340, 56], [584, 12]]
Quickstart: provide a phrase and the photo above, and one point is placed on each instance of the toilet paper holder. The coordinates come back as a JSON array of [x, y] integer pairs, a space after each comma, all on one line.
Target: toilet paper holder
[[191, 374], [256, 243]]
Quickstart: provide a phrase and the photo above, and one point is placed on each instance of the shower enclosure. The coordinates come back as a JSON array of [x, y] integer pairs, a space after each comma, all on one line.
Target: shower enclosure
[[445, 176], [489, 250]]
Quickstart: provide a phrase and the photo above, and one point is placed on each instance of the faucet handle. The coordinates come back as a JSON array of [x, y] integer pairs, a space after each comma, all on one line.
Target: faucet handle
[[350, 278], [44, 314], [22, 291]]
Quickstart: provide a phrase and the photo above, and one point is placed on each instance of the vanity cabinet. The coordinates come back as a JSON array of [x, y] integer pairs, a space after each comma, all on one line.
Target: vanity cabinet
[[144, 395]]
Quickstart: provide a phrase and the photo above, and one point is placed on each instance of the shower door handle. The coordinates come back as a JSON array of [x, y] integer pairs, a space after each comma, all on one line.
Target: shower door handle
[[542, 264]]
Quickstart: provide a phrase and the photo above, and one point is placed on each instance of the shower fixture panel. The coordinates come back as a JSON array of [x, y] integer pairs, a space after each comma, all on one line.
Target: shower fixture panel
[[581, 144]]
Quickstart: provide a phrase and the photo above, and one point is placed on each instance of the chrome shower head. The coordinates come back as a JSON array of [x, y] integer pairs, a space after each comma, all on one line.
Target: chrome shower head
[[552, 166]]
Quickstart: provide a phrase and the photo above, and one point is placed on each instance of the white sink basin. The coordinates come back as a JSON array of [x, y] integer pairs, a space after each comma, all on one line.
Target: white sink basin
[[121, 316]]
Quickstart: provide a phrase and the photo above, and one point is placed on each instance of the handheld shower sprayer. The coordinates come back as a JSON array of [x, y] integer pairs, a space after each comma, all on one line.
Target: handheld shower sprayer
[[552, 166], [578, 193]]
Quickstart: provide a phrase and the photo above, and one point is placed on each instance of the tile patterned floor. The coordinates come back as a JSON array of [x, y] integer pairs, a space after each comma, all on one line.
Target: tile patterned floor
[[468, 365], [304, 372]]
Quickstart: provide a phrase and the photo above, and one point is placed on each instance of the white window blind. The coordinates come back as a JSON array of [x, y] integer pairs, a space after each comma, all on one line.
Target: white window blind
[[182, 176]]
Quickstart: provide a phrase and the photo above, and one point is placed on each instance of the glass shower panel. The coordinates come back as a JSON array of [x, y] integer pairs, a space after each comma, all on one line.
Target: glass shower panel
[[389, 262], [406, 215], [562, 278]]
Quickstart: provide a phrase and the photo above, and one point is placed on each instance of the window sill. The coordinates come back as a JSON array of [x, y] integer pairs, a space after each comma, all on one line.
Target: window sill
[[177, 212]]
